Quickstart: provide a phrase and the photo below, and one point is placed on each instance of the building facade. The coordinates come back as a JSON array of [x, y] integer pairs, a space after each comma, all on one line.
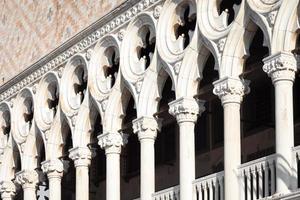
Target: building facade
[[163, 100]]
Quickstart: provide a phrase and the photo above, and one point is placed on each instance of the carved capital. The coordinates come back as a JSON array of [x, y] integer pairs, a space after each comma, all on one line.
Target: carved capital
[[54, 168], [27, 178], [7, 189], [112, 142], [145, 127], [186, 109], [231, 89], [81, 156], [281, 66]]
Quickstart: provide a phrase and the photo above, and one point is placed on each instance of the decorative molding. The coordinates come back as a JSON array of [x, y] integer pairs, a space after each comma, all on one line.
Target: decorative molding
[[280, 66], [231, 89], [112, 142], [81, 156], [27, 178], [146, 127], [82, 41], [7, 189], [54, 168], [186, 109]]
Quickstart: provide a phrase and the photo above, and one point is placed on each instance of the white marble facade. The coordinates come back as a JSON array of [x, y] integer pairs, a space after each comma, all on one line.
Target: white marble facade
[[131, 52]]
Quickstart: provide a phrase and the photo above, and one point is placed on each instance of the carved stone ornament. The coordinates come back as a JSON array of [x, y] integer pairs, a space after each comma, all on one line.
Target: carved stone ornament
[[221, 44], [138, 85], [88, 54], [280, 66], [54, 168], [81, 156], [231, 89], [7, 189], [186, 109], [112, 142], [27, 178], [145, 127], [156, 11], [272, 16]]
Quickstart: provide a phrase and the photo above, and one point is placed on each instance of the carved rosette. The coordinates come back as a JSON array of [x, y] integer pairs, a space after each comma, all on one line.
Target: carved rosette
[[81, 156], [27, 178], [54, 168], [112, 142], [281, 66], [145, 127], [7, 189], [231, 89], [186, 109]]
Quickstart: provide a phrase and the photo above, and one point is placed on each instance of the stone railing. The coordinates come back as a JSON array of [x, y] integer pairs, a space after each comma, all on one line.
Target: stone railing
[[167, 194], [210, 187], [258, 178]]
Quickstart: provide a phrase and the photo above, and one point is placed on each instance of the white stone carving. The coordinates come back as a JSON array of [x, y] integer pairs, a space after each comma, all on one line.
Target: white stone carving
[[231, 89], [81, 156], [27, 178], [146, 127], [112, 142], [186, 109], [281, 66], [7, 189]]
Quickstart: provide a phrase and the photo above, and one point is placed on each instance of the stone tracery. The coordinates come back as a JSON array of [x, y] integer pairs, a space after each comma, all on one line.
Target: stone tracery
[[147, 44]]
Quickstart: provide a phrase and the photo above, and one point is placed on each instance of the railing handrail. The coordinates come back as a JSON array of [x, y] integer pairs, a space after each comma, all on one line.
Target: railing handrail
[[174, 188], [208, 177], [258, 161]]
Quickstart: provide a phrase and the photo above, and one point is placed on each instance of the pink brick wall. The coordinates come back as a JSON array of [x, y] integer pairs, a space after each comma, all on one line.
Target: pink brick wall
[[29, 29]]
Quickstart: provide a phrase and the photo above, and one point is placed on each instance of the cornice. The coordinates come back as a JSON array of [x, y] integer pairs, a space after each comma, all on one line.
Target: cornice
[[79, 43]]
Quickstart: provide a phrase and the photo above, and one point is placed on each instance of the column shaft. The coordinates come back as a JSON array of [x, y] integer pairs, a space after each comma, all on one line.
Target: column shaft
[[113, 176], [232, 149], [29, 193], [284, 133], [147, 169], [187, 159], [54, 188], [82, 183]]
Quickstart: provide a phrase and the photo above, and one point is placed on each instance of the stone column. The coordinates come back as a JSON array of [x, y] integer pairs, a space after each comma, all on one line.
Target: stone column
[[7, 190], [28, 179], [54, 169], [112, 143], [231, 91], [281, 67], [186, 111], [145, 128], [82, 160]]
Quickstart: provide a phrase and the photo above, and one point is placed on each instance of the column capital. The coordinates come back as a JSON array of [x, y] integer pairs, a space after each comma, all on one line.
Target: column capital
[[231, 89], [112, 142], [7, 189], [280, 66], [81, 156], [27, 178], [146, 127], [186, 109], [54, 168]]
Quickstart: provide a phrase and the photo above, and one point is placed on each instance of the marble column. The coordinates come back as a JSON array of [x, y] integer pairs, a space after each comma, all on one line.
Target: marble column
[[28, 179], [54, 169], [7, 190], [112, 144], [82, 160], [186, 111], [231, 91], [281, 67], [146, 129]]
